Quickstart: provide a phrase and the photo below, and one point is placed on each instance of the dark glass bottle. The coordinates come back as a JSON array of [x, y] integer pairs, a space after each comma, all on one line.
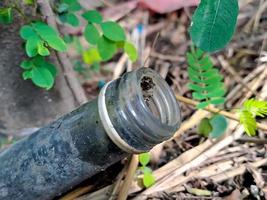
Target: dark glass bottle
[[131, 115]]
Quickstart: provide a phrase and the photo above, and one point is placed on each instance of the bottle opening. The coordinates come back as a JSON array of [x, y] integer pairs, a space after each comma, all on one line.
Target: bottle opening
[[142, 109], [147, 87]]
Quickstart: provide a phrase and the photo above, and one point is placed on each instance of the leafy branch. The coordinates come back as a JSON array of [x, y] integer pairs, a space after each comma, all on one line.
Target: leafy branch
[[248, 113], [148, 178], [205, 80], [229, 115]]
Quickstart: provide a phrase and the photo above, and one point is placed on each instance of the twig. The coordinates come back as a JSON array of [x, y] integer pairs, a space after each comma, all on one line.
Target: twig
[[235, 75], [128, 179], [217, 111], [76, 193], [167, 57], [64, 61]]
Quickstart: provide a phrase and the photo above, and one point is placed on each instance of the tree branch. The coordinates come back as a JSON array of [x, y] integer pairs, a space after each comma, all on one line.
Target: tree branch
[[217, 111], [64, 61]]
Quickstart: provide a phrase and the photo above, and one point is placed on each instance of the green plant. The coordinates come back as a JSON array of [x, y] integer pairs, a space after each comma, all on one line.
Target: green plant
[[248, 113], [66, 12], [104, 38], [6, 15], [148, 178], [213, 127], [205, 80], [213, 24]]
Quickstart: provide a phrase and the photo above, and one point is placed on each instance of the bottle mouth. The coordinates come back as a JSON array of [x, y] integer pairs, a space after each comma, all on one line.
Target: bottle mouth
[[151, 106], [140, 110]]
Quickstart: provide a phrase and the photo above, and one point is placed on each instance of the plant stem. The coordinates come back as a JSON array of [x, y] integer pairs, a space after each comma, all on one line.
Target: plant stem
[[212, 109]]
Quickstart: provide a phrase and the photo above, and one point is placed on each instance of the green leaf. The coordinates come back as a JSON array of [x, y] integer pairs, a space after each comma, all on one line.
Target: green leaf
[[204, 127], [91, 56], [27, 75], [48, 34], [26, 32], [42, 50], [91, 34], [256, 107], [148, 180], [74, 6], [52, 69], [113, 31], [219, 125], [32, 46], [26, 64], [68, 38], [6, 15], [144, 158], [248, 122], [92, 16], [202, 105], [213, 24], [205, 80], [131, 51], [106, 48], [42, 77], [29, 2], [72, 19], [95, 67], [63, 7]]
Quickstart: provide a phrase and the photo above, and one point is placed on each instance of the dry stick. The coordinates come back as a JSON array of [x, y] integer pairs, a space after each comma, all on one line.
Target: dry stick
[[64, 61], [128, 179], [256, 85], [76, 193], [235, 75], [258, 15], [217, 111], [248, 78]]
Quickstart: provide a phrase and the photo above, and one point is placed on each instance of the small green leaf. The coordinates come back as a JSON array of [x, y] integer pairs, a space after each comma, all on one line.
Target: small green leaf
[[92, 16], [213, 24], [32, 46], [256, 107], [26, 64], [52, 69], [42, 77], [91, 34], [27, 75], [78, 66], [113, 31], [131, 51], [72, 19], [42, 50], [219, 125], [248, 122], [63, 7], [144, 158], [204, 127], [106, 48], [29, 2], [203, 104], [26, 32], [49, 35], [74, 5], [6, 15], [148, 180], [91, 56], [95, 67], [68, 38]]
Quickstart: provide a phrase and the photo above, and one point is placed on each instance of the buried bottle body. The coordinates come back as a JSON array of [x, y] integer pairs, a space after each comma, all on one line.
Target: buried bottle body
[[131, 115]]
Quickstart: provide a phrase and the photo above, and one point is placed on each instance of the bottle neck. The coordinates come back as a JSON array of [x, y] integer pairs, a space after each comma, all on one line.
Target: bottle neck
[[141, 109]]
